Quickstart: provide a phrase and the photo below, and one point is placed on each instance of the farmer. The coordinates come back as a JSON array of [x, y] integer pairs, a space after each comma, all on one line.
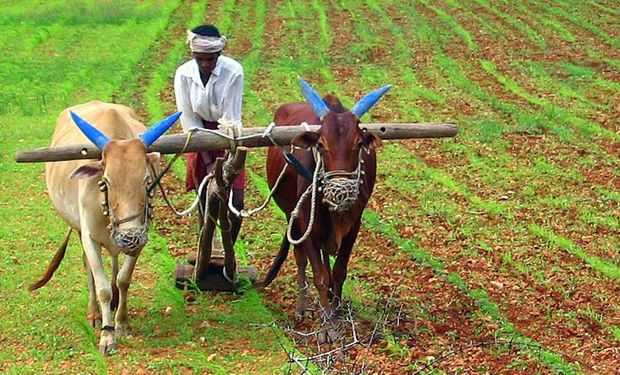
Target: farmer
[[207, 89]]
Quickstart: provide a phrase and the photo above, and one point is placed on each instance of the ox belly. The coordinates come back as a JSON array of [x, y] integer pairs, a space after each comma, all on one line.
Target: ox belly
[[63, 191]]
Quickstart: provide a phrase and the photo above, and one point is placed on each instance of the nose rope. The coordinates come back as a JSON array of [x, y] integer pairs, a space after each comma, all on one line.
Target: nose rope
[[157, 181], [311, 190], [114, 222], [107, 210]]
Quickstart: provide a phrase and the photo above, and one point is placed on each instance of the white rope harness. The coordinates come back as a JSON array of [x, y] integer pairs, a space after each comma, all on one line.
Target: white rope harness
[[340, 188], [249, 213], [245, 213], [312, 189], [233, 129]]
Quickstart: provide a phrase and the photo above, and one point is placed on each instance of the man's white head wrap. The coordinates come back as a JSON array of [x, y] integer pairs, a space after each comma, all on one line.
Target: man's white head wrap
[[205, 44]]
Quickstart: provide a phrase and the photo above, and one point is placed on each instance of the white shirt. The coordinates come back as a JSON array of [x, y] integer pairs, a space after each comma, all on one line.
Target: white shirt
[[221, 97]]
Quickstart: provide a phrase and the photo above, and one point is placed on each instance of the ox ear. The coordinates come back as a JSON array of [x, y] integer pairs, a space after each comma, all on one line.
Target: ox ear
[[371, 140], [306, 140], [89, 170]]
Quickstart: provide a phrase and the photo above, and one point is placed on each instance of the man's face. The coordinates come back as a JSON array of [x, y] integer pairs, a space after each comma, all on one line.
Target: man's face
[[206, 62]]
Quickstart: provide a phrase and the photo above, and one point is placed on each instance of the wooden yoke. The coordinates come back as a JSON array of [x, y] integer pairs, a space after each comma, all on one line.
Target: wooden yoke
[[218, 191], [205, 273], [251, 137]]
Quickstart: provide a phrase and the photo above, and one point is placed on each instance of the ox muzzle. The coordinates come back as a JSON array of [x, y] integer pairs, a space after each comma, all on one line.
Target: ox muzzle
[[132, 240], [129, 240], [340, 188]]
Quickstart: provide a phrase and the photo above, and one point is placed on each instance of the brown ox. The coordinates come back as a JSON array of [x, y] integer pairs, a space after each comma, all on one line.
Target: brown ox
[[345, 178], [106, 202]]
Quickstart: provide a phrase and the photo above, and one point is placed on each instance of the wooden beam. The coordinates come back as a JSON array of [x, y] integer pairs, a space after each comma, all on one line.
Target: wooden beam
[[205, 141]]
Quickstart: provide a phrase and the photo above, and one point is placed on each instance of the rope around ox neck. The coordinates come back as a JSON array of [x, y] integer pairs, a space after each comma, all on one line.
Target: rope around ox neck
[[312, 189]]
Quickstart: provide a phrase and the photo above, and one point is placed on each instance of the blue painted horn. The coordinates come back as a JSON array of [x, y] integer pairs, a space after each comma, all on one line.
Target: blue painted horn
[[154, 132], [365, 103], [314, 99], [92, 133]]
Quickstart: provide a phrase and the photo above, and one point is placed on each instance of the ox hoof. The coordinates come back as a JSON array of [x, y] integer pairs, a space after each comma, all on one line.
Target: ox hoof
[[94, 319], [303, 311], [191, 258], [328, 335], [108, 349], [303, 307], [123, 330], [107, 344]]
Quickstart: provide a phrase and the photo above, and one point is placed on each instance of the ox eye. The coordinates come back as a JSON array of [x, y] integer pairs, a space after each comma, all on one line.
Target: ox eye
[[320, 146]]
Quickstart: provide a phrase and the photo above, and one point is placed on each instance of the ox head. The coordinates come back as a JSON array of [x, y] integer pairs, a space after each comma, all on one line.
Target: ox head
[[125, 174], [340, 141]]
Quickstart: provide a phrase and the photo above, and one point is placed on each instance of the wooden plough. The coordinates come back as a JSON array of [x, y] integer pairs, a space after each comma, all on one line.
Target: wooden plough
[[211, 271]]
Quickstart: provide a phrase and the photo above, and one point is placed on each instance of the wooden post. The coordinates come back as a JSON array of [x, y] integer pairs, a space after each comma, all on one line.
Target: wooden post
[[229, 173], [207, 274], [205, 241]]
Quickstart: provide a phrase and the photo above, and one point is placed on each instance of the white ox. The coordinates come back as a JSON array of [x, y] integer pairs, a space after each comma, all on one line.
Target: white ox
[[107, 202]]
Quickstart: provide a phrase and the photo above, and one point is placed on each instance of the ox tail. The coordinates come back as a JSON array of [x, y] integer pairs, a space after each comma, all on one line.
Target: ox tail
[[53, 266], [276, 265]]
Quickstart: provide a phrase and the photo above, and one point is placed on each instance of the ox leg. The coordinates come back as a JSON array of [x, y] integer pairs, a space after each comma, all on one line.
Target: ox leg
[[304, 297], [107, 342], [92, 313], [124, 279], [328, 267], [341, 265], [321, 279], [114, 303]]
